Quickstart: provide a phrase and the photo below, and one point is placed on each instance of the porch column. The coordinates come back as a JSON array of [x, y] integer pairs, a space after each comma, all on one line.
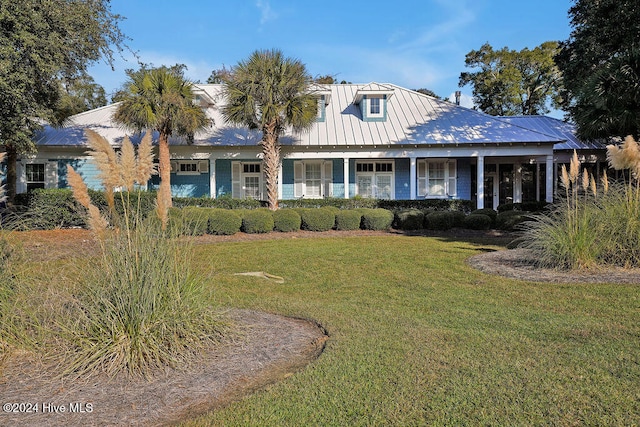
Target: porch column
[[280, 182], [549, 176], [212, 178], [412, 178], [346, 178], [480, 183], [517, 184]]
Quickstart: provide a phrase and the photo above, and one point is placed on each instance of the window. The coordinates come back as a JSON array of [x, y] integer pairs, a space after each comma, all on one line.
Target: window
[[313, 179], [35, 176], [189, 167], [247, 180], [375, 179], [321, 109], [436, 178], [374, 106]]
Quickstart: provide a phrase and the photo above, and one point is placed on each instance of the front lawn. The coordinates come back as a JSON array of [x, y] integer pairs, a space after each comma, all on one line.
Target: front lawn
[[419, 338]]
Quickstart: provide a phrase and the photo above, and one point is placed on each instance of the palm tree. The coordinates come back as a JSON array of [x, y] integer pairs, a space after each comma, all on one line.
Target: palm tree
[[161, 99], [271, 93]]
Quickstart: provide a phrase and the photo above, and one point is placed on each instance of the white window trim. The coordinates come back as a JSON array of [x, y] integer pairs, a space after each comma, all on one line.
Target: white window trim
[[373, 176], [50, 174], [450, 178], [300, 179], [201, 167], [375, 115], [238, 175]]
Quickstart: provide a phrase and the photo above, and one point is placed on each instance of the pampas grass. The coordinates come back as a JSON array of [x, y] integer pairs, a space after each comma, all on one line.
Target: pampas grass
[[591, 227], [139, 309]]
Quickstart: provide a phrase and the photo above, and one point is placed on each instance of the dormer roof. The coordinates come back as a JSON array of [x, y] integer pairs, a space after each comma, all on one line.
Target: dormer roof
[[372, 89], [320, 90]]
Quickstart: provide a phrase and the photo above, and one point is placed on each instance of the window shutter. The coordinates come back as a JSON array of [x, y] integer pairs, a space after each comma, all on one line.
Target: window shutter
[[51, 175], [236, 189], [203, 166], [298, 178], [422, 178], [452, 178], [327, 179]]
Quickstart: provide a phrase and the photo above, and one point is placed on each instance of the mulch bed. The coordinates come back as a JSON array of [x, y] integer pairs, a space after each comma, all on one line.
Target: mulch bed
[[270, 348]]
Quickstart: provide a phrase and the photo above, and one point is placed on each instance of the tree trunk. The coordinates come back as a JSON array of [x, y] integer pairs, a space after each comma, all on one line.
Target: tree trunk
[[271, 160], [12, 175], [164, 169]]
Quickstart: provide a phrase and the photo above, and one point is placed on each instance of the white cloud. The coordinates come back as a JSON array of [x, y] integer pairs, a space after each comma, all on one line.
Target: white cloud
[[266, 13]]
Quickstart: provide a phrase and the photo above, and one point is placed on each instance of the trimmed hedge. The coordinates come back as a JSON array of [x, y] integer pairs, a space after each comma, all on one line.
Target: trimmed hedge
[[508, 220], [348, 219], [257, 221], [317, 219], [222, 202], [223, 221], [53, 208], [286, 220], [439, 220], [477, 222], [410, 219], [432, 204], [376, 219], [533, 206], [340, 203]]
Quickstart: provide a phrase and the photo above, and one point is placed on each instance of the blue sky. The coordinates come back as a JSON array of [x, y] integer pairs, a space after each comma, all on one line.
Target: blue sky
[[411, 43]]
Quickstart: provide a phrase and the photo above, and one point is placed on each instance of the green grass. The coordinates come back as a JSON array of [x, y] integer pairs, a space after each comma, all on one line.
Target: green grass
[[419, 338]]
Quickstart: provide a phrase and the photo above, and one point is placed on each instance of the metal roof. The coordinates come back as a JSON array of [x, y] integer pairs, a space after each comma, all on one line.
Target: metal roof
[[411, 118], [552, 126]]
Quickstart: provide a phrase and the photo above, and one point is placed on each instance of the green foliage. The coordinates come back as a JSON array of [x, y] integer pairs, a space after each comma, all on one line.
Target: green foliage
[[222, 202], [286, 220], [53, 208], [511, 83], [376, 219], [458, 218], [317, 219], [349, 219], [441, 220], [486, 211], [477, 221], [509, 220], [195, 220], [424, 204], [600, 63], [340, 203], [410, 219], [223, 221], [532, 206], [257, 221]]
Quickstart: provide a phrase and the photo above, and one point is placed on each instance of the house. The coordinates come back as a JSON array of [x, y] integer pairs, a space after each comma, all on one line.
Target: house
[[369, 140]]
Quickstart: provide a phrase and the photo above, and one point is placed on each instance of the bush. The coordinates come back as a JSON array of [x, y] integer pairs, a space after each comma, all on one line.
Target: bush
[[348, 219], [439, 220], [317, 219], [221, 202], [458, 218], [477, 222], [53, 208], [531, 206], [422, 204], [486, 211], [508, 220], [376, 219], [195, 220], [339, 203], [257, 221], [410, 219], [286, 220], [223, 221]]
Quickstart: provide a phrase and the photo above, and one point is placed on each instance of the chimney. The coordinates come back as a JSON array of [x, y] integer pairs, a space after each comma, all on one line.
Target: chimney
[[458, 93]]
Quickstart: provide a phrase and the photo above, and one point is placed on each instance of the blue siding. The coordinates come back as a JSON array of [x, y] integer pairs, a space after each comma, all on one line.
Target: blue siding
[[223, 177], [364, 109], [86, 169], [338, 178], [463, 183], [402, 176], [185, 185], [352, 177]]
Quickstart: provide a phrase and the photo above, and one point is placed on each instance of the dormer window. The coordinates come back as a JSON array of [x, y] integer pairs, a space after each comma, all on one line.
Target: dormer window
[[321, 109], [373, 100]]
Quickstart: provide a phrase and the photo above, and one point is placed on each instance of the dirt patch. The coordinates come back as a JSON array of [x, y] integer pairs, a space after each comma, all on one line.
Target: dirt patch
[[518, 264], [271, 348]]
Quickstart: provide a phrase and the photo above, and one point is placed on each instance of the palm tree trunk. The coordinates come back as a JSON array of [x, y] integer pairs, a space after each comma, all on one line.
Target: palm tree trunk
[[271, 159], [164, 170]]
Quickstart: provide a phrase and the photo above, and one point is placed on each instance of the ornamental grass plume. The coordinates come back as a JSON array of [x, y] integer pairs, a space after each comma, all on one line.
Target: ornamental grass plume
[[97, 223]]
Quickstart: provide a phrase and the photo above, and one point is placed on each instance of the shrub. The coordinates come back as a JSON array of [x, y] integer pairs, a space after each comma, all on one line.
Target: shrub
[[348, 219], [376, 219], [477, 222], [508, 220], [458, 218], [286, 220], [410, 219], [195, 220], [439, 220], [257, 221], [317, 219], [486, 211], [223, 202], [53, 208], [223, 221]]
